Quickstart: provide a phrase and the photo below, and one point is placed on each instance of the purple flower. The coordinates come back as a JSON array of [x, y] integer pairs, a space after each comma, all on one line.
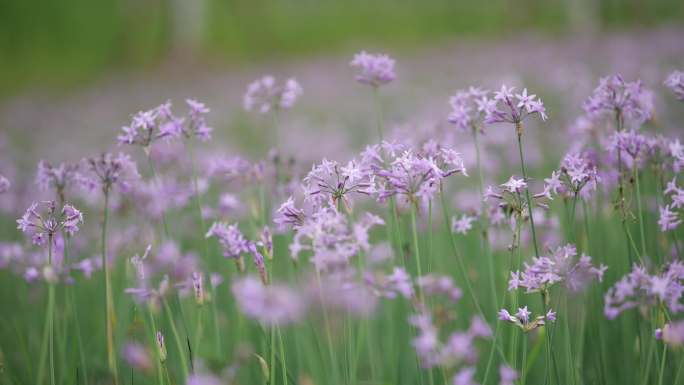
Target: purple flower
[[507, 375], [265, 95], [4, 184], [511, 108], [331, 182], [58, 178], [469, 108], [45, 225], [289, 214], [197, 122], [161, 346], [638, 289], [198, 287], [675, 82], [523, 320], [204, 379], [462, 225], [465, 376], [576, 176], [668, 220], [148, 126], [433, 284], [109, 170], [231, 239], [137, 356], [616, 96], [273, 304], [374, 69], [672, 333], [560, 266]]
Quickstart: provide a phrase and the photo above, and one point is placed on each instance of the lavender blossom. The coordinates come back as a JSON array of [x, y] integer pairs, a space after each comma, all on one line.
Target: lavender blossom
[[523, 320], [273, 304], [469, 108], [289, 214], [512, 108], [109, 170], [137, 357], [675, 82], [58, 178], [672, 333], [331, 182], [640, 290], [615, 96], [560, 266], [374, 69], [4, 184], [507, 375], [577, 176], [265, 95], [44, 226], [161, 346]]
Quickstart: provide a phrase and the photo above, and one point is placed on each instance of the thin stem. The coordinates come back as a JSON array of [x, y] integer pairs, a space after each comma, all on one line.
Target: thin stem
[[484, 222], [641, 213], [527, 190], [109, 306], [416, 249], [283, 366], [51, 314], [156, 180], [177, 339], [662, 365], [378, 112]]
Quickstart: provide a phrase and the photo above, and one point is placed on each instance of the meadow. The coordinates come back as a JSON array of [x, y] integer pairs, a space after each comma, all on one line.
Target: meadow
[[523, 229]]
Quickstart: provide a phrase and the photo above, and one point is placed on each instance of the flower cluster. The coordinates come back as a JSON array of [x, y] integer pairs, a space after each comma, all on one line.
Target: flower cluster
[[522, 318], [58, 178], [672, 333], [577, 176], [462, 225], [235, 244], [614, 95], [675, 82], [638, 289], [265, 95], [160, 122], [374, 69], [329, 182], [510, 198], [512, 108], [416, 176], [4, 184], [458, 348], [43, 226], [560, 266], [328, 236], [109, 170], [272, 304], [469, 108], [671, 214], [635, 148]]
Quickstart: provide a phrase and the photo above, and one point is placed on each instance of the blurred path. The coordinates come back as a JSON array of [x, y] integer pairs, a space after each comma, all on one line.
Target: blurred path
[[65, 125]]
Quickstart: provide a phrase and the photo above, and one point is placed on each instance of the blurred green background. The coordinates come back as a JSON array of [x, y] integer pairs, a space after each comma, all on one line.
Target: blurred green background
[[65, 43]]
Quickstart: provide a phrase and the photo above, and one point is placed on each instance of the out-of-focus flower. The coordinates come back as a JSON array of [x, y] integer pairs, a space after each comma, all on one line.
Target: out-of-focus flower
[[465, 376], [635, 147], [638, 289], [675, 82], [462, 225], [433, 284], [161, 346], [512, 108], [672, 333], [137, 356], [272, 304], [560, 266], [374, 69], [469, 108], [671, 214], [109, 170], [265, 95], [616, 96], [160, 123], [289, 214], [507, 375], [58, 178], [4, 184]]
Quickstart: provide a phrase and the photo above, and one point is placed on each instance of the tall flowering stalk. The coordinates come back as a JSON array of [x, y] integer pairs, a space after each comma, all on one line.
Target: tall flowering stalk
[[106, 172], [43, 222], [468, 112]]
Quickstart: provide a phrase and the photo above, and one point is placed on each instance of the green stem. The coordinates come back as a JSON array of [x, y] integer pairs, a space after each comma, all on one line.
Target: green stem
[[156, 180], [177, 339], [484, 222], [283, 366], [662, 365], [527, 190], [109, 305], [641, 213], [51, 315], [378, 112], [416, 249]]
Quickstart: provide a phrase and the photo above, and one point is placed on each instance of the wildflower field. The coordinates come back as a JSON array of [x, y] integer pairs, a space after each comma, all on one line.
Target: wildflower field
[[523, 227]]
